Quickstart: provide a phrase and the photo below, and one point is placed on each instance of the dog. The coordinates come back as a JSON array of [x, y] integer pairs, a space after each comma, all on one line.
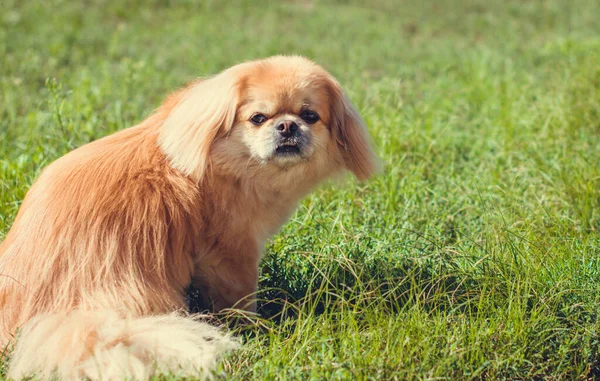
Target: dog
[[93, 271]]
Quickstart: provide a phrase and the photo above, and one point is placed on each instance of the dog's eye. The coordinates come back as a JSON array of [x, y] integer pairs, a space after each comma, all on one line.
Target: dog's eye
[[309, 116], [258, 119]]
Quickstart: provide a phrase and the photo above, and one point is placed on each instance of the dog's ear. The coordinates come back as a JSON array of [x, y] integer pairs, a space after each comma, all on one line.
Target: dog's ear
[[195, 117], [351, 135]]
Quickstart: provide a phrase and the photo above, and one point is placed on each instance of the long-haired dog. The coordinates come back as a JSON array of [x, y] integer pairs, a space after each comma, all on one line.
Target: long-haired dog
[[94, 270]]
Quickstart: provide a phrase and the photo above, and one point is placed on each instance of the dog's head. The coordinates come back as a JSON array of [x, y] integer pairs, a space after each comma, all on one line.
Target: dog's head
[[278, 115]]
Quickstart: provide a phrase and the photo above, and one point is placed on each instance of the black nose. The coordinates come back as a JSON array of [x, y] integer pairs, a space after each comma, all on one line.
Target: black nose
[[287, 128]]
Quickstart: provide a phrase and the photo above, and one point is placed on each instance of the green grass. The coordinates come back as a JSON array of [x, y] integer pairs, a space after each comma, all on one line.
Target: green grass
[[475, 255]]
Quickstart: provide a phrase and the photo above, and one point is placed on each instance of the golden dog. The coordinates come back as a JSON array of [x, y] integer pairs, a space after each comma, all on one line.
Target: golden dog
[[93, 272]]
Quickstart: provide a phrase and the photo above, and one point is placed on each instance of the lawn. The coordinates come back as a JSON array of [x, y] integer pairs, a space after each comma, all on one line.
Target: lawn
[[474, 255]]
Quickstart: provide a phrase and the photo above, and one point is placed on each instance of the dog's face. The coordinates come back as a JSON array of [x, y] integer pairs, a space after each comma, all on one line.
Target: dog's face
[[283, 119], [277, 114]]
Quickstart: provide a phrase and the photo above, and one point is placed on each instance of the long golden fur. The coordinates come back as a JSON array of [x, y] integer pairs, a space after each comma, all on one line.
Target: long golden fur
[[96, 264]]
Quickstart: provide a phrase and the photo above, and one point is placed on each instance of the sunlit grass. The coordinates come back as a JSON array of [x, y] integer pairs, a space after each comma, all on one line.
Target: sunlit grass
[[475, 255]]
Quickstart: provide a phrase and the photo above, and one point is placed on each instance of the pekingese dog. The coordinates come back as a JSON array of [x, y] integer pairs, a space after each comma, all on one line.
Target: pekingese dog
[[94, 270]]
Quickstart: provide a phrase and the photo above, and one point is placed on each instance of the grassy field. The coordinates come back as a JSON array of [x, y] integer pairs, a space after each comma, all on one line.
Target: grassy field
[[475, 255]]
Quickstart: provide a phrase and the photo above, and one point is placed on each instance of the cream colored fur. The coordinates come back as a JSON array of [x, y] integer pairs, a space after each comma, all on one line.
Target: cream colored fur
[[102, 345]]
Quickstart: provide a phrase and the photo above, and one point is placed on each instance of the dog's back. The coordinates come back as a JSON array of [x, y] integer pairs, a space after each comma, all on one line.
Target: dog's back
[[94, 258]]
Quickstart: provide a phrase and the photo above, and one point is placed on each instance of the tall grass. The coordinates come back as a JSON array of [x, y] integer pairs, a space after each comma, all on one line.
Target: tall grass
[[475, 255]]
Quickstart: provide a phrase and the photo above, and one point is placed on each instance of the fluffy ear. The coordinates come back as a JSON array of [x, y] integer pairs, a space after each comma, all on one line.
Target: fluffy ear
[[351, 135], [196, 116]]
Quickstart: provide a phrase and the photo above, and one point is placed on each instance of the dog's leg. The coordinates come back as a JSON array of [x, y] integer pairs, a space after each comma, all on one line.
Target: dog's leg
[[228, 282]]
